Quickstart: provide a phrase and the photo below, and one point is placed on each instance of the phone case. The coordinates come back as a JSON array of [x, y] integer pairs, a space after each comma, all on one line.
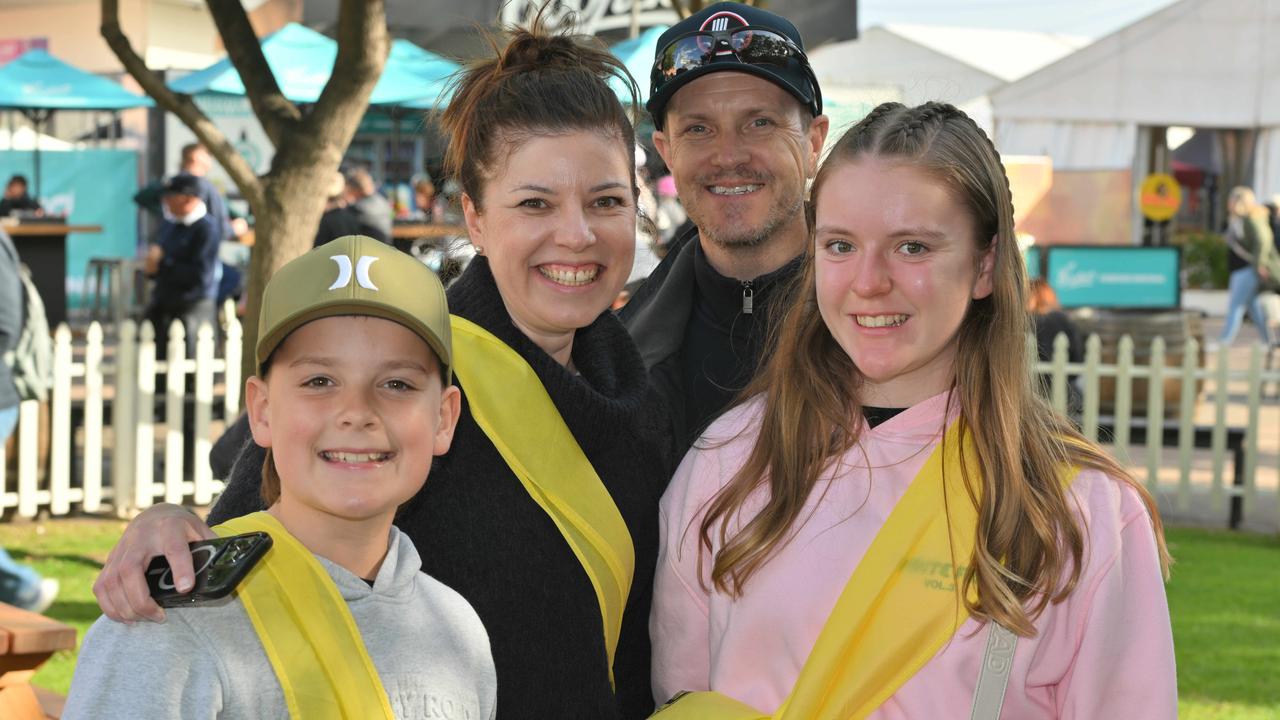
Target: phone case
[[220, 565]]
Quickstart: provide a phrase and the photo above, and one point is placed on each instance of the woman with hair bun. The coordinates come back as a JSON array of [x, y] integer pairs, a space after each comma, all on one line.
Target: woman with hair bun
[[543, 514], [892, 523]]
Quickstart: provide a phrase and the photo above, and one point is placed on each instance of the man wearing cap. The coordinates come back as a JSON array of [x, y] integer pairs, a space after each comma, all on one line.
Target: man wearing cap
[[184, 263], [196, 162], [738, 118]]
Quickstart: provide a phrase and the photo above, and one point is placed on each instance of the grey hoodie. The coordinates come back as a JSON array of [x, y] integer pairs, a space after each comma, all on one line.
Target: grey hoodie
[[426, 641]]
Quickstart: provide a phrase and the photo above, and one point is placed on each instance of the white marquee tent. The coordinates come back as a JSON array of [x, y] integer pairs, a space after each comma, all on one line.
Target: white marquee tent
[[1197, 63], [915, 63]]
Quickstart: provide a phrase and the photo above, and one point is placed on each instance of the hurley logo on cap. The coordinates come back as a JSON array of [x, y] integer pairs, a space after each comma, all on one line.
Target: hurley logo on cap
[[361, 272]]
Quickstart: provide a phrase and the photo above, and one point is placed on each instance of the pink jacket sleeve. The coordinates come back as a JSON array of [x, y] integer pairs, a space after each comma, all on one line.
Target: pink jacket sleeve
[[1125, 663], [679, 624]]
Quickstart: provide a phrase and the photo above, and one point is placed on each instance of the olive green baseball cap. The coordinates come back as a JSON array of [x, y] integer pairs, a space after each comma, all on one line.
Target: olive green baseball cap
[[356, 275]]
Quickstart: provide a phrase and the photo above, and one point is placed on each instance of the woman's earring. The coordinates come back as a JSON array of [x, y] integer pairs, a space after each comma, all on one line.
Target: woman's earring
[[479, 250]]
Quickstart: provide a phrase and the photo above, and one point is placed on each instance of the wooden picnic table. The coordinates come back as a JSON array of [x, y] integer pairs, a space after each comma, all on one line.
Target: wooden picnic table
[[26, 641]]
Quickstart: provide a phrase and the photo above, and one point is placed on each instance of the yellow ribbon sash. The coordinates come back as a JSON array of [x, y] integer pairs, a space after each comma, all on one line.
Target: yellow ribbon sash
[[900, 606], [307, 630], [510, 404]]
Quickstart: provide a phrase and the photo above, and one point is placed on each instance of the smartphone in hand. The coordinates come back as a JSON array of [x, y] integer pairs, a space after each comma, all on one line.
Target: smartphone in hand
[[220, 565]]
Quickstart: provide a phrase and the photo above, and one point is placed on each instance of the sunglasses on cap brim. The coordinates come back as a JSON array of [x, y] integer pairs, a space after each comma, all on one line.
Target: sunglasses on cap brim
[[749, 45]]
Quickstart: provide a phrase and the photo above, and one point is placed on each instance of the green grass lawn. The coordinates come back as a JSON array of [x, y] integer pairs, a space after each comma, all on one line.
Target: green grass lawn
[[1224, 598], [72, 551], [1225, 602]]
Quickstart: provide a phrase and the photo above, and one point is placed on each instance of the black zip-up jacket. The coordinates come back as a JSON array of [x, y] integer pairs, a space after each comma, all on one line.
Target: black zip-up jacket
[[701, 334]]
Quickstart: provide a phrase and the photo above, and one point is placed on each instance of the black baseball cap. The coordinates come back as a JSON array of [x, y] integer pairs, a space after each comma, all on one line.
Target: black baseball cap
[[182, 184], [686, 52]]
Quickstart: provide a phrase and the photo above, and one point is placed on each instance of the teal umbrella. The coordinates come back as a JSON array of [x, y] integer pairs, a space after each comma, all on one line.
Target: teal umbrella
[[637, 54], [37, 84], [419, 73], [37, 80], [302, 61]]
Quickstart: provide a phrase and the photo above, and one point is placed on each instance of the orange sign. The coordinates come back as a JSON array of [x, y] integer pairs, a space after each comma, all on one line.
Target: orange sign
[[1159, 197]]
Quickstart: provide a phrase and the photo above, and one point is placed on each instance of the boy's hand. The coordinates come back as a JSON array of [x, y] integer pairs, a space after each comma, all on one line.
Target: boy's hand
[[151, 263], [121, 587]]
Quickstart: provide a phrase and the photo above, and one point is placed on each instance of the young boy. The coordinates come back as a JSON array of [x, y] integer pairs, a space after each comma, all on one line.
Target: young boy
[[352, 399]]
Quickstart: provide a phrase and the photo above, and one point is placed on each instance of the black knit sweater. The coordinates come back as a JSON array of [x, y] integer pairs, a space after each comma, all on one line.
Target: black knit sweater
[[479, 532]]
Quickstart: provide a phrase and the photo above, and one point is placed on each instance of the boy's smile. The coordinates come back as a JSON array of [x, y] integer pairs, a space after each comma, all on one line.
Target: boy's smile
[[355, 457]]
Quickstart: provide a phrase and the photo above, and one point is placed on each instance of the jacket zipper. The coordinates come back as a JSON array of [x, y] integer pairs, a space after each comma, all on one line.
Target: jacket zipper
[[748, 297]]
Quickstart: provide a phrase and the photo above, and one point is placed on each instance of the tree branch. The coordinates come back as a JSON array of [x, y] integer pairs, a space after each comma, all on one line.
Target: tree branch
[[181, 105], [277, 114], [363, 46]]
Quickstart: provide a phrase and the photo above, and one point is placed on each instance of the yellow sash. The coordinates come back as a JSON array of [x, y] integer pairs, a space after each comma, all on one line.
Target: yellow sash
[[510, 404], [899, 608], [307, 631]]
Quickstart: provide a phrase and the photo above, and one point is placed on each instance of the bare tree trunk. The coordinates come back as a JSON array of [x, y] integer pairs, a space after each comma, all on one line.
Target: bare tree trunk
[[288, 201]]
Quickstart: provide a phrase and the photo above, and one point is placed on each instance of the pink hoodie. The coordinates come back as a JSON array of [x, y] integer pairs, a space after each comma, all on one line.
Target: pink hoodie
[[1105, 652]]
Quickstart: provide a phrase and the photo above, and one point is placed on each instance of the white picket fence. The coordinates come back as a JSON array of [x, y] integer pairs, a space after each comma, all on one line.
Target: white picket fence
[[130, 442], [1189, 429], [145, 457]]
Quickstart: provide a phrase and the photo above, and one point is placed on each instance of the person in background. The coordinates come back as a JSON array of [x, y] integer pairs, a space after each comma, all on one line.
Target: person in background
[[1273, 218], [647, 257], [184, 263], [1253, 261], [16, 198], [371, 209], [1050, 321], [11, 319], [338, 220], [891, 515], [196, 162], [20, 585], [424, 200], [741, 131]]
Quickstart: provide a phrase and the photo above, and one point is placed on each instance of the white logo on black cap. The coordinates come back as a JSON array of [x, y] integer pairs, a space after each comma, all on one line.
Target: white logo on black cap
[[361, 272], [720, 22]]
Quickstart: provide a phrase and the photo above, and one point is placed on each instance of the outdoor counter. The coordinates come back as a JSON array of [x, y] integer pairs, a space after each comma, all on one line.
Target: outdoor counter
[[43, 247], [415, 231]]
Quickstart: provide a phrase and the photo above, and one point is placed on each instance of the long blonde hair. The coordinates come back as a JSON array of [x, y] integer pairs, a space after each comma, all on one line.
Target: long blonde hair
[[1030, 542]]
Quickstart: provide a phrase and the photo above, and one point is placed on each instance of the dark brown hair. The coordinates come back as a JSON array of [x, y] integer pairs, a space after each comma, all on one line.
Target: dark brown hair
[[1030, 542], [538, 83]]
